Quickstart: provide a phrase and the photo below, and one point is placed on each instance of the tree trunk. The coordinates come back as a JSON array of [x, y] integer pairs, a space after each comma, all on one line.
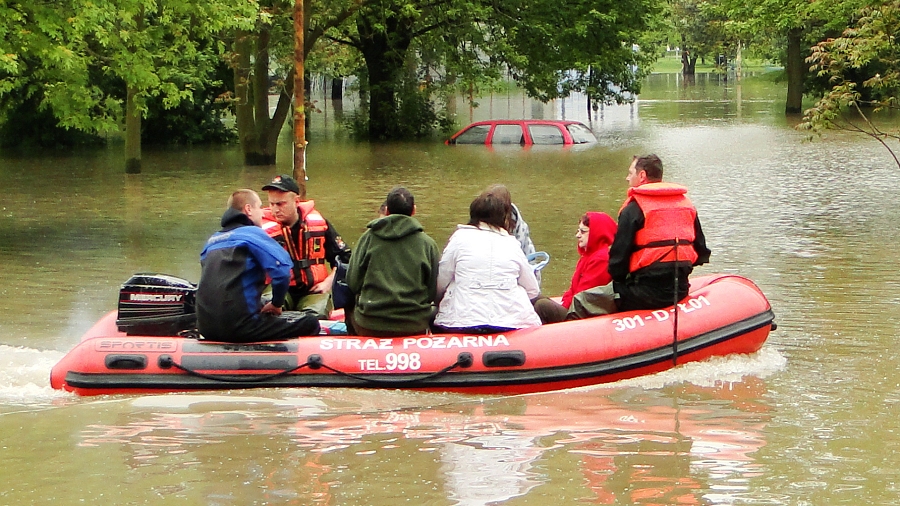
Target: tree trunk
[[243, 107], [688, 63], [382, 96], [132, 133], [796, 71], [337, 88], [261, 92], [384, 52], [133, 121], [257, 131]]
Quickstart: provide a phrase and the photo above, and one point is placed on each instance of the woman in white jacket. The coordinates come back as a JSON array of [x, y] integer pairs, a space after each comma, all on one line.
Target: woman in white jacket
[[485, 283]]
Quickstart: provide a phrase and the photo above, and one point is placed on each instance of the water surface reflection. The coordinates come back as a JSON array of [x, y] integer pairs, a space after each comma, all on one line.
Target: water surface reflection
[[629, 444]]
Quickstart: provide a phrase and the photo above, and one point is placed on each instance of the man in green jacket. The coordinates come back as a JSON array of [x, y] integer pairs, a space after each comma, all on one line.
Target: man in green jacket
[[393, 273]]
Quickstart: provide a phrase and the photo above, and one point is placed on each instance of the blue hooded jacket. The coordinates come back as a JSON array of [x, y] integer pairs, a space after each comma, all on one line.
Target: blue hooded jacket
[[234, 264]]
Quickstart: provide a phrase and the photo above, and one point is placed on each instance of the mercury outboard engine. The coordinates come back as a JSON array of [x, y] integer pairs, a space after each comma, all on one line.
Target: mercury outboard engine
[[156, 305]]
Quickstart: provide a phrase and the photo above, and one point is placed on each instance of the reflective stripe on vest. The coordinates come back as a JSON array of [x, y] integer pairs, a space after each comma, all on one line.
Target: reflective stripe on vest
[[668, 231]]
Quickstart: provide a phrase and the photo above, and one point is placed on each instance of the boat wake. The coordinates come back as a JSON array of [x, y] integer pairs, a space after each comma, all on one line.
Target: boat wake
[[25, 376], [711, 372]]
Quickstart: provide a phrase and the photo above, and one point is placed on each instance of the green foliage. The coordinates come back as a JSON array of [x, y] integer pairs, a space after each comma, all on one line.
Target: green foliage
[[415, 116], [703, 29], [333, 59], [66, 53], [75, 58], [602, 48], [863, 66], [551, 48], [194, 121], [23, 124], [761, 26]]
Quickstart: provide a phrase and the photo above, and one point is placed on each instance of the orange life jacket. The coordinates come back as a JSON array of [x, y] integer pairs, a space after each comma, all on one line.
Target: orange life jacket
[[308, 251], [668, 232]]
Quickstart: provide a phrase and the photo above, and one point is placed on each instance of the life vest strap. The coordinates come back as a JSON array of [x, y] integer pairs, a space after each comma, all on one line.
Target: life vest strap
[[667, 242], [306, 262]]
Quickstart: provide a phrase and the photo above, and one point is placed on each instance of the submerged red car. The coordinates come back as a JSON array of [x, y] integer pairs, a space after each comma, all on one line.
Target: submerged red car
[[524, 132]]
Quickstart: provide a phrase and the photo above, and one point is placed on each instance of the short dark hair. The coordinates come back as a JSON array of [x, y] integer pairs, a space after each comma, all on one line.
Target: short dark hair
[[400, 201], [493, 207], [652, 165]]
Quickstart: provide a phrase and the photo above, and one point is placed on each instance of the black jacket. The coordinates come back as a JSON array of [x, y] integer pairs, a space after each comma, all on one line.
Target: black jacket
[[652, 287]]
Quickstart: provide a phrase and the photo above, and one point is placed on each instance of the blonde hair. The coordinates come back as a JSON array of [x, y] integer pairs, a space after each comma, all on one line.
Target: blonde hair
[[243, 197]]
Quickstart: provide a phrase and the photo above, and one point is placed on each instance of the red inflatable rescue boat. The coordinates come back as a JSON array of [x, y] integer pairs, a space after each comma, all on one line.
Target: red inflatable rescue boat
[[125, 353]]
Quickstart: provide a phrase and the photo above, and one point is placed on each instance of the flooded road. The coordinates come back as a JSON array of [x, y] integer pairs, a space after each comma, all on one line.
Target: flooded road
[[811, 419]]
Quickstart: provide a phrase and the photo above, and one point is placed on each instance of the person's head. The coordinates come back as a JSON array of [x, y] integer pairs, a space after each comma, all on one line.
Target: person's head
[[644, 169], [247, 202], [492, 207], [400, 201], [284, 197], [583, 234], [502, 193], [595, 230]]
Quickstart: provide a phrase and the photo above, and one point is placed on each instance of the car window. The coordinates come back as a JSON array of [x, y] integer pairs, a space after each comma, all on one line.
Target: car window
[[546, 134], [508, 134], [581, 134], [475, 135]]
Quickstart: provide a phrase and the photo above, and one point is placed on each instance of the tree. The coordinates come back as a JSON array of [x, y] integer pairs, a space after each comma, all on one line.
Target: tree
[[265, 50], [66, 51], [699, 30], [599, 47], [551, 48], [863, 65], [782, 29], [383, 31]]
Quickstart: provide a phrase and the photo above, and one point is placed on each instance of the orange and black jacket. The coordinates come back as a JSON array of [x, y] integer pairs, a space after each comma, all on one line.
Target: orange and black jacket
[[312, 243]]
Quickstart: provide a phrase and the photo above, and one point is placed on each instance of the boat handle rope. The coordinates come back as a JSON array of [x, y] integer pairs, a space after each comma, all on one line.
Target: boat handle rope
[[314, 362], [166, 362], [463, 360]]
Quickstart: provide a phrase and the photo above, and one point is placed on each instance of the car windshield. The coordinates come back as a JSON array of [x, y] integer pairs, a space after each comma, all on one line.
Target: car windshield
[[581, 134], [546, 134], [508, 134], [475, 135]]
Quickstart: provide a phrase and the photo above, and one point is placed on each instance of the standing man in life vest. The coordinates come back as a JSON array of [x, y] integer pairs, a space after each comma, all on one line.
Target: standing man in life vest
[[658, 234], [311, 242]]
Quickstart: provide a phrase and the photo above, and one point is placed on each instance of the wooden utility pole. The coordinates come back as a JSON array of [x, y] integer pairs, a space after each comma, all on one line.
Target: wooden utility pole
[[299, 98]]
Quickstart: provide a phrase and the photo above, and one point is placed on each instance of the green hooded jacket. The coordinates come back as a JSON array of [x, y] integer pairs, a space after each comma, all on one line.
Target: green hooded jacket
[[393, 273]]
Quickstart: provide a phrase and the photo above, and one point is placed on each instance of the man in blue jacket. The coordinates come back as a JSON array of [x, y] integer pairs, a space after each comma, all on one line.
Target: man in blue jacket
[[234, 264]]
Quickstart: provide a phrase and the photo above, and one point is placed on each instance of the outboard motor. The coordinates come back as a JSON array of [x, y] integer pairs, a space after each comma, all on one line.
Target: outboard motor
[[156, 305]]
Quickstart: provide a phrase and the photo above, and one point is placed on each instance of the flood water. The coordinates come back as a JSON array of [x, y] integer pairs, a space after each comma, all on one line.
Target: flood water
[[810, 419]]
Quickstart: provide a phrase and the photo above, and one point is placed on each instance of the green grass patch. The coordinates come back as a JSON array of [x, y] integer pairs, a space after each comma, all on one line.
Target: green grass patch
[[671, 64]]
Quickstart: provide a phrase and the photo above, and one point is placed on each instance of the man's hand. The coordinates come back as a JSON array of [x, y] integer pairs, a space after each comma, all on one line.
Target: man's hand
[[270, 309], [325, 285]]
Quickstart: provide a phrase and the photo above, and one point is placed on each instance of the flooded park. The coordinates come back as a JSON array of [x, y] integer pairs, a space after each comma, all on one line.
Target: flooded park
[[809, 419]]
